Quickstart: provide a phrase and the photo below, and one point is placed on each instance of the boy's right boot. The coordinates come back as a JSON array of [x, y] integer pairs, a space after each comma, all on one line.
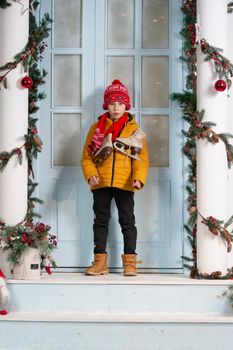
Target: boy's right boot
[[99, 265]]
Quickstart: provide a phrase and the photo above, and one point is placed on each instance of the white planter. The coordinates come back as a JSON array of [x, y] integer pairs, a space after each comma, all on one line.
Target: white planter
[[5, 265], [29, 266]]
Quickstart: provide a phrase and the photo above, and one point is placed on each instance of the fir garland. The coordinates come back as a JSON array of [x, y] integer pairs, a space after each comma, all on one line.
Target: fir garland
[[223, 67], [27, 234], [200, 130], [4, 4]]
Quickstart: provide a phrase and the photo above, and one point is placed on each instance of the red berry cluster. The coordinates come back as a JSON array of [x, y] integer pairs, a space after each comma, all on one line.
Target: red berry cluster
[[189, 8], [17, 151], [40, 227], [212, 220], [26, 239], [25, 56], [192, 33], [34, 131], [194, 230]]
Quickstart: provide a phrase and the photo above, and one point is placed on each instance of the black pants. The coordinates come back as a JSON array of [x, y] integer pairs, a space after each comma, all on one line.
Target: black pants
[[125, 205]]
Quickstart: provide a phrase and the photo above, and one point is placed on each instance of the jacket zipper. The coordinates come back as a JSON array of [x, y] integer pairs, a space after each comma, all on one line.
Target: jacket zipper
[[113, 166], [113, 162]]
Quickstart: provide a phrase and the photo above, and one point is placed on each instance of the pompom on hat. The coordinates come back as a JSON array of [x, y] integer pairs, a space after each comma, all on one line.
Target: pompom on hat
[[116, 92]]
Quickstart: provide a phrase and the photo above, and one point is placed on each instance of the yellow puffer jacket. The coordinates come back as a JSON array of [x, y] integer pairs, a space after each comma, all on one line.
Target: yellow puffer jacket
[[117, 170]]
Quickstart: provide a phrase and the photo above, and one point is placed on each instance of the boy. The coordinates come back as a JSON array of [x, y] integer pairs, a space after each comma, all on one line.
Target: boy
[[115, 164]]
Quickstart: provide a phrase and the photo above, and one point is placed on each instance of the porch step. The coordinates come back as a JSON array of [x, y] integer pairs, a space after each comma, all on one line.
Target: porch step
[[113, 312], [73, 292], [115, 331], [117, 317]]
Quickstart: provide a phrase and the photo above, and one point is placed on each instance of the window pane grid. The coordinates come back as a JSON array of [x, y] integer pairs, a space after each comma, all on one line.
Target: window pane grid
[[67, 80], [156, 128], [66, 141], [155, 24], [120, 24], [67, 25]]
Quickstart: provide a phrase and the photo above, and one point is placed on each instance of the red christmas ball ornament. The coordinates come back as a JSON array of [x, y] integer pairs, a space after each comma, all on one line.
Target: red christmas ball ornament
[[3, 312], [220, 85], [27, 82]]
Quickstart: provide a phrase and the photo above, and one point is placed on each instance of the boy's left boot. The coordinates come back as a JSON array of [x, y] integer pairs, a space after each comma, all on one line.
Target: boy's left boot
[[99, 265], [129, 264]]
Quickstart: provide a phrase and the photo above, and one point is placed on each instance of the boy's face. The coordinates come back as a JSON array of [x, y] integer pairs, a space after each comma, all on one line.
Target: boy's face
[[116, 110]]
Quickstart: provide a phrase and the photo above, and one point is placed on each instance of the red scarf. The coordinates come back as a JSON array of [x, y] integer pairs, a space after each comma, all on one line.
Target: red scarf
[[101, 132]]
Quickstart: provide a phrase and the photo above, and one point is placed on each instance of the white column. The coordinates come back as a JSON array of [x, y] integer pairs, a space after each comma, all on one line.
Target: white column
[[13, 114], [230, 129], [212, 168]]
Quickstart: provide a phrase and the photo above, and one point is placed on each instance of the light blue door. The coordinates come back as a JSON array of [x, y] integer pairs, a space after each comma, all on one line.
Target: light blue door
[[92, 43]]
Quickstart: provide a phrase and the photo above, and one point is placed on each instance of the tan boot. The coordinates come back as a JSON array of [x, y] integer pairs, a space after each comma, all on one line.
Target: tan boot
[[129, 264], [99, 265]]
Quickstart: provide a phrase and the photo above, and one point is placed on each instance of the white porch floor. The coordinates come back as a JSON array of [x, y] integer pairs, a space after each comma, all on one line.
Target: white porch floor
[[118, 278]]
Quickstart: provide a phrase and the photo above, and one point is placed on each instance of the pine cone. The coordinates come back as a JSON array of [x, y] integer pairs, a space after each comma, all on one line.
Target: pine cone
[[216, 274], [192, 210], [38, 142], [214, 230], [214, 138], [204, 46], [206, 133], [194, 272], [226, 235]]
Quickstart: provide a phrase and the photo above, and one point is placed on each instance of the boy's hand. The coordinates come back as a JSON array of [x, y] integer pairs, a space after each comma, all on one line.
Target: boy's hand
[[137, 184], [94, 180]]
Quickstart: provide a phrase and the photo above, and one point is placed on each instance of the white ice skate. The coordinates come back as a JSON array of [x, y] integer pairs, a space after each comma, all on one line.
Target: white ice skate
[[130, 146], [105, 150], [4, 293]]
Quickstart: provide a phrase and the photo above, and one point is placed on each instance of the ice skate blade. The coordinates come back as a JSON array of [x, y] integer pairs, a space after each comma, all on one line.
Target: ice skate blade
[[126, 153], [102, 155]]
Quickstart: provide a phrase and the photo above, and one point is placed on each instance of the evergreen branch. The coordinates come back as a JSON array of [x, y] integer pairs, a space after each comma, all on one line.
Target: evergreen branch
[[228, 146], [33, 50], [186, 258], [215, 226], [223, 67], [192, 243], [6, 156], [229, 222], [188, 266], [4, 4]]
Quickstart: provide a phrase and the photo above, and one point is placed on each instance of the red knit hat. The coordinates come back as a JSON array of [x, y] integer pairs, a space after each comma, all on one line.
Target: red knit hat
[[117, 92]]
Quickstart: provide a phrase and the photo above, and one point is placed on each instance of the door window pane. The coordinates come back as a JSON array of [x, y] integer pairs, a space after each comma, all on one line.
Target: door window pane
[[155, 24], [120, 17], [155, 87], [66, 139], [67, 80], [156, 128], [122, 68], [67, 23]]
